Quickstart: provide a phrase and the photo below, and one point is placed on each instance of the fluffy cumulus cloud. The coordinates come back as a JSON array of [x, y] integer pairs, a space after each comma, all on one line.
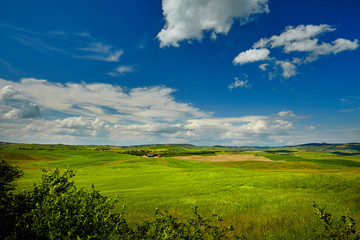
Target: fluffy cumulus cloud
[[303, 40], [105, 113], [188, 19]]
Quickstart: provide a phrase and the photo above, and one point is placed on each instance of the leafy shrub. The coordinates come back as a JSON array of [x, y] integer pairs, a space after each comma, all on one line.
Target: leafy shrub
[[166, 226], [57, 209], [335, 228]]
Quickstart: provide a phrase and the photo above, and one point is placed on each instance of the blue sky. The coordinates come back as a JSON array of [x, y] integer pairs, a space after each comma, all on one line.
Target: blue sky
[[206, 72]]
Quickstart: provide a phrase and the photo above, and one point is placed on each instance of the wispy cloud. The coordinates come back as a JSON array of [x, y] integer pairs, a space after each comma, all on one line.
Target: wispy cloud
[[8, 66], [101, 51], [37, 44], [74, 44], [122, 70], [352, 102]]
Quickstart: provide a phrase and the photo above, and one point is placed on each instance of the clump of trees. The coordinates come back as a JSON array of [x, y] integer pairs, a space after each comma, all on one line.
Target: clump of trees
[[57, 209]]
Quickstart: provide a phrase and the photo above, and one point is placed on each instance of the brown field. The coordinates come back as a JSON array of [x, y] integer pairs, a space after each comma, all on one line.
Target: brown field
[[226, 158]]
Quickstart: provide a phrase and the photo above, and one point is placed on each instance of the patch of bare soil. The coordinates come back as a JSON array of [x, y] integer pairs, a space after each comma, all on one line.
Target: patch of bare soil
[[226, 158]]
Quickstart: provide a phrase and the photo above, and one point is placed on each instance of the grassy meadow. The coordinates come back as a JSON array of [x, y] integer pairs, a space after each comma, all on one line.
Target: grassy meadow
[[263, 200]]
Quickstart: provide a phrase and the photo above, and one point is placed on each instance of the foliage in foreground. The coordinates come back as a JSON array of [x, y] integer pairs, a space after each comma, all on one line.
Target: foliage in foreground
[[343, 229], [57, 209]]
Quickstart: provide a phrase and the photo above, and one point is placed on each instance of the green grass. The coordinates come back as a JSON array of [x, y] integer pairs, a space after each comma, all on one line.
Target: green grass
[[263, 200]]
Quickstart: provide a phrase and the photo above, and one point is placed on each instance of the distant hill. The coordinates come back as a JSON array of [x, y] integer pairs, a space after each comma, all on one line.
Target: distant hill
[[336, 148]]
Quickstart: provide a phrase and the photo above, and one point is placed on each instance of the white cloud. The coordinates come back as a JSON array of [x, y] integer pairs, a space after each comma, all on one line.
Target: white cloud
[[8, 92], [239, 83], [252, 55], [310, 128], [291, 34], [288, 68], [263, 66], [304, 38], [187, 19], [285, 114], [250, 129], [122, 70], [102, 52], [341, 44], [69, 127], [312, 46], [28, 111]]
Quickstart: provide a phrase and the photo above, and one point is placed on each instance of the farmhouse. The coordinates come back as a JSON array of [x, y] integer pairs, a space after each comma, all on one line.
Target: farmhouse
[[152, 155]]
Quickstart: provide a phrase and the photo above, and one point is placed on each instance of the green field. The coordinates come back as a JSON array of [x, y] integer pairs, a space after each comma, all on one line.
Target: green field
[[263, 200]]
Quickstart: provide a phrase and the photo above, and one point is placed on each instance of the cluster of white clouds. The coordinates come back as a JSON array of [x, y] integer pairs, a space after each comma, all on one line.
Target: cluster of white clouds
[[302, 39], [188, 19], [36, 109]]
